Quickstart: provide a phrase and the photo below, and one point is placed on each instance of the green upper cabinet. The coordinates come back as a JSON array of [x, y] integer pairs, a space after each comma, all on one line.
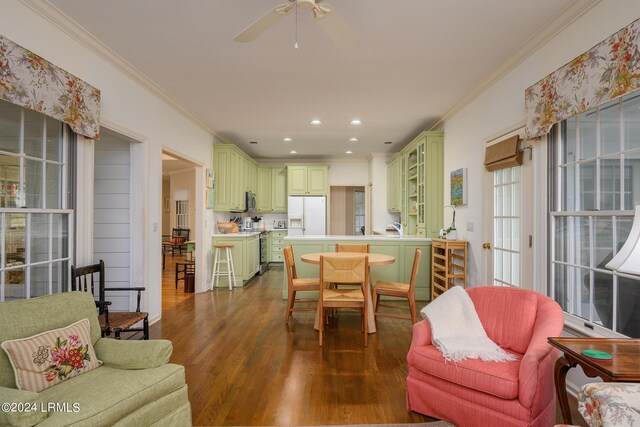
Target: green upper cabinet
[[272, 189], [297, 180], [304, 180], [222, 188], [234, 174], [263, 193], [279, 200], [417, 193], [393, 184]]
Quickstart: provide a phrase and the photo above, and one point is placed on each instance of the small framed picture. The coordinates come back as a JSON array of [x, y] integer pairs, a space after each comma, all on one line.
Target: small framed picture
[[209, 178], [459, 187], [167, 204]]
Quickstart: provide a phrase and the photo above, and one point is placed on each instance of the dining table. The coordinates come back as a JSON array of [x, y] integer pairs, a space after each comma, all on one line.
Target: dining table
[[375, 259]]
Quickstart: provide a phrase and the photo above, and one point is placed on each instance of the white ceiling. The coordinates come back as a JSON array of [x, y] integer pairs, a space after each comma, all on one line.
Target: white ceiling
[[415, 61]]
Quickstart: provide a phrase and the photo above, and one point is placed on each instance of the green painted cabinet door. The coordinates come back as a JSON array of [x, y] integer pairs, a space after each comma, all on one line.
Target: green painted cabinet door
[[297, 180], [393, 191], [235, 177], [263, 193], [253, 254], [434, 172], [279, 190], [317, 180], [222, 187]]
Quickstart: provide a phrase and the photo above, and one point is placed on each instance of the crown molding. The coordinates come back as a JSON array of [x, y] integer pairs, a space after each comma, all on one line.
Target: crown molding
[[568, 16], [74, 30]]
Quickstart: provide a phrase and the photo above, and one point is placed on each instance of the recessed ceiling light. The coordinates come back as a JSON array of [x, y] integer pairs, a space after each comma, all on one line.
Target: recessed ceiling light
[[356, 122], [348, 152], [387, 142], [353, 139], [253, 142], [293, 152], [315, 122], [287, 139]]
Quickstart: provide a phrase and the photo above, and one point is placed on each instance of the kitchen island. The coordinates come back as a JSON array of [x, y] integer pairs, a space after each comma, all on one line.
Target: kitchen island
[[402, 248], [246, 256]]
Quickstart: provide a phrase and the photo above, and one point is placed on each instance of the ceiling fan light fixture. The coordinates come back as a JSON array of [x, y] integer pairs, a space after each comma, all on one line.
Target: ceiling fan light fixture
[[348, 152], [356, 122], [306, 4], [287, 139], [315, 122], [353, 140]]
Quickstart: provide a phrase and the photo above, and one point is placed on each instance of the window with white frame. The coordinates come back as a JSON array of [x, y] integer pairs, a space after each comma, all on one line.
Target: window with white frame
[[595, 160], [35, 224], [182, 214], [358, 204]]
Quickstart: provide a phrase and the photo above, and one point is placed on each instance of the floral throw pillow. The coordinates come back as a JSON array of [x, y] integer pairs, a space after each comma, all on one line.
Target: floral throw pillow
[[46, 359]]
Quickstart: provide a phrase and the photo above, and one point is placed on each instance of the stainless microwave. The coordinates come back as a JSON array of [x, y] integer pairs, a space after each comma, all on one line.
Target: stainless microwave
[[250, 204]]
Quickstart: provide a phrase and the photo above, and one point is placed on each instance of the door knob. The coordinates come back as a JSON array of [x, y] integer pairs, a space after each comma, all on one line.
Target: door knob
[[486, 245]]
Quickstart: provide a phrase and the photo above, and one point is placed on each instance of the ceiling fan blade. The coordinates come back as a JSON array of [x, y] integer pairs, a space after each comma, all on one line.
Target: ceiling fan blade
[[263, 23], [336, 27]]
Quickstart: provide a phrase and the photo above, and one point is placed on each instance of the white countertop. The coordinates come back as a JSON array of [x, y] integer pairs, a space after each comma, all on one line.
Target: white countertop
[[365, 238], [246, 233]]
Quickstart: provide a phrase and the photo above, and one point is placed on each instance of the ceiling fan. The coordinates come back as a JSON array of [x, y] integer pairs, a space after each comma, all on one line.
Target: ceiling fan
[[328, 19]]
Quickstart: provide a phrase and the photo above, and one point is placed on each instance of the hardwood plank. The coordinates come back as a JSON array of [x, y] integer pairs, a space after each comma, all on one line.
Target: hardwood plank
[[245, 367]]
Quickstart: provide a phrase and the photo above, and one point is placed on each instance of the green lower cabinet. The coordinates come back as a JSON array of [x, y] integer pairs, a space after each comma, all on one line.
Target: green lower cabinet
[[246, 258], [276, 244], [400, 271]]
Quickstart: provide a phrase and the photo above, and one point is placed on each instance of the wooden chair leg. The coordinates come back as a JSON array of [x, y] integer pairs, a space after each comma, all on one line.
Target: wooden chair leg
[[145, 329], [366, 325], [290, 300], [375, 307], [321, 329], [412, 308]]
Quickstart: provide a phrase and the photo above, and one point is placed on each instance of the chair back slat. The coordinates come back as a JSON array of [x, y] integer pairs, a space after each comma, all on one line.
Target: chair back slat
[[84, 279], [414, 271], [290, 263]]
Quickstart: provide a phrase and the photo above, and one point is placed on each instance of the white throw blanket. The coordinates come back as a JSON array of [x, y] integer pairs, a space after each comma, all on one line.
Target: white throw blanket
[[456, 329]]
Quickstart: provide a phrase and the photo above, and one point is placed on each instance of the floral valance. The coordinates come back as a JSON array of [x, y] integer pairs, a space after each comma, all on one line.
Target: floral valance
[[605, 72], [30, 81]]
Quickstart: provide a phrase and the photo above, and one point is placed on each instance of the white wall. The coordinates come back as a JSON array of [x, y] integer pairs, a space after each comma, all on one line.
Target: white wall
[[378, 174], [502, 106], [134, 111]]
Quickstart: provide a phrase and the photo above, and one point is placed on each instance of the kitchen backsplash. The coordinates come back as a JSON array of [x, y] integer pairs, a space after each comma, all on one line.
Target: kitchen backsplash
[[267, 218]]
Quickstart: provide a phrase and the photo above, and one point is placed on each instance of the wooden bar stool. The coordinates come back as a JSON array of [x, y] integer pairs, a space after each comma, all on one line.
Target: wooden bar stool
[[229, 272]]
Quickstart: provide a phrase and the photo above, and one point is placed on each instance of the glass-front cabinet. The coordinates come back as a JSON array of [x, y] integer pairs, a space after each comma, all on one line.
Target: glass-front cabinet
[[415, 178]]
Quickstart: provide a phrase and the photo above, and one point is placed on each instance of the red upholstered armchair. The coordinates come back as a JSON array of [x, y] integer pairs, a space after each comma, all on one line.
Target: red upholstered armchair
[[477, 393]]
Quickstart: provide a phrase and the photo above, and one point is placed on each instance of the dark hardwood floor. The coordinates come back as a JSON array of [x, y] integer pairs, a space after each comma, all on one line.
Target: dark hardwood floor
[[245, 367]]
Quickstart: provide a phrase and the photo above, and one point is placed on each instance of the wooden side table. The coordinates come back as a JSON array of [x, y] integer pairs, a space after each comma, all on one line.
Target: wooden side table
[[624, 367], [448, 265]]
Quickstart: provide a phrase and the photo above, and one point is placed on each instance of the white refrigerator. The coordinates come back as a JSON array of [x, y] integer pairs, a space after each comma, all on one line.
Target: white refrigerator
[[307, 215]]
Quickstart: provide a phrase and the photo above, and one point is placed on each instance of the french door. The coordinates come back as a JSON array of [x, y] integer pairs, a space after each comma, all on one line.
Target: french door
[[508, 246]]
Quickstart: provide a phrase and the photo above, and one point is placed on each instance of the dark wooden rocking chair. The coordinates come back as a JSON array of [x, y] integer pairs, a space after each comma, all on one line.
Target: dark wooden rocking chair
[[86, 279]]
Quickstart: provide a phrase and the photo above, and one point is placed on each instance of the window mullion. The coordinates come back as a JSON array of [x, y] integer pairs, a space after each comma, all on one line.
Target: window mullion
[[591, 266], [27, 255], [43, 184], [3, 218]]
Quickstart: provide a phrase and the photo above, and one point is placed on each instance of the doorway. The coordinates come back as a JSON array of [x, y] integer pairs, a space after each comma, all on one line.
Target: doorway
[[179, 190], [348, 207]]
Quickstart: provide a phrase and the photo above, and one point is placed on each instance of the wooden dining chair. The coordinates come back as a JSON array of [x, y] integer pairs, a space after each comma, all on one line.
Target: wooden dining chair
[[349, 270], [295, 285], [402, 290], [353, 247]]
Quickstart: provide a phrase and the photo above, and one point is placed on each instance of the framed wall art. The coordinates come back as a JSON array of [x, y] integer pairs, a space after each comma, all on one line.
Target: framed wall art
[[459, 187]]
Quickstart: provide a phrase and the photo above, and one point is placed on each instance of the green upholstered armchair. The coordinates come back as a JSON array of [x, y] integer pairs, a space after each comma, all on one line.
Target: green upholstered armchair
[[135, 386]]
